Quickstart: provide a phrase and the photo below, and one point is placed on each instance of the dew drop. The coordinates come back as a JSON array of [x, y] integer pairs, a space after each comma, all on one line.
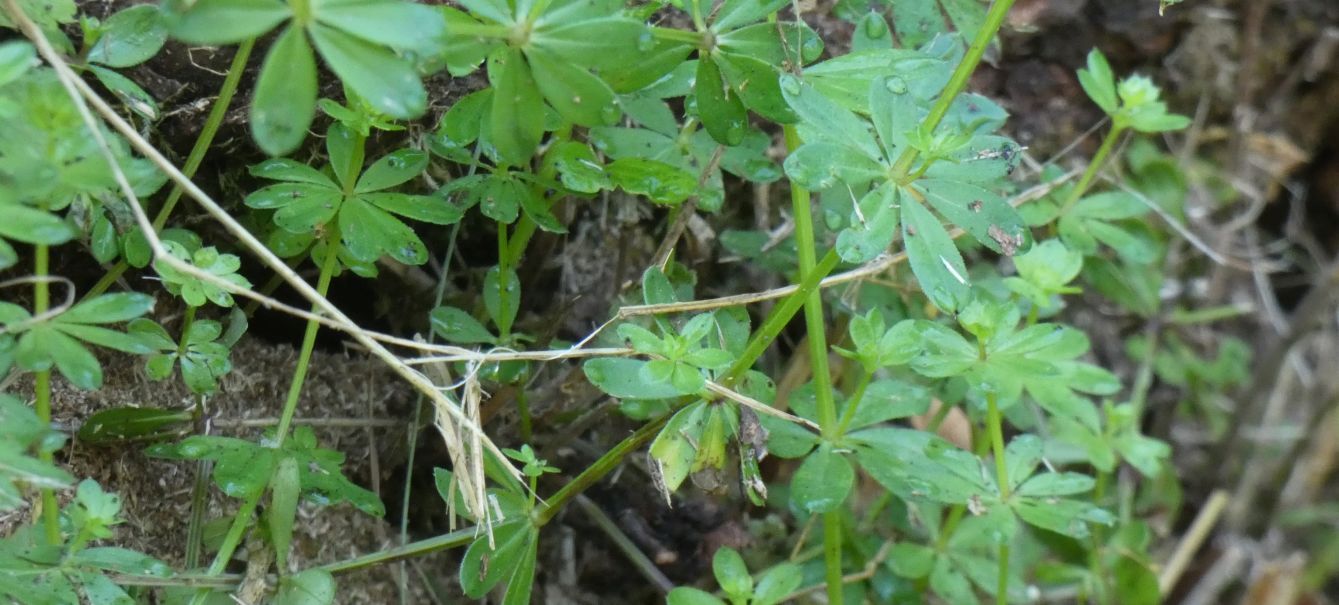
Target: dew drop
[[646, 42], [896, 85], [875, 27]]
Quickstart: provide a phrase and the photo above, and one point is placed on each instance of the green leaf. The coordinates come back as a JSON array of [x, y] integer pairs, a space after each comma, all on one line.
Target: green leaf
[[911, 560], [779, 44], [822, 482], [392, 169], [127, 91], [458, 327], [285, 99], [719, 107], [825, 165], [687, 595], [392, 23], [460, 127], [388, 83], [502, 197], [346, 156], [758, 85], [872, 228], [368, 232], [483, 566], [120, 560], [675, 448], [16, 58], [660, 182], [737, 13], [871, 33], [919, 466], [934, 258], [426, 208], [284, 169], [1134, 582], [983, 214], [1062, 516], [25, 433], [732, 573], [42, 346], [600, 43], [516, 121], [309, 587], [578, 96], [129, 37], [502, 297], [462, 54], [536, 207], [826, 121], [493, 10], [1055, 484], [285, 488], [129, 423], [578, 168], [109, 308], [34, 226], [777, 583], [653, 66], [219, 22], [621, 378], [521, 582], [917, 21], [1099, 82]]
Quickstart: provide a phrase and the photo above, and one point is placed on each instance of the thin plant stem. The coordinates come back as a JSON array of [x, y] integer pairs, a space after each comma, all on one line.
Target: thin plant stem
[[230, 541], [815, 328], [995, 426], [196, 156], [503, 271], [957, 82], [42, 389], [308, 341], [854, 402], [1094, 167], [602, 466]]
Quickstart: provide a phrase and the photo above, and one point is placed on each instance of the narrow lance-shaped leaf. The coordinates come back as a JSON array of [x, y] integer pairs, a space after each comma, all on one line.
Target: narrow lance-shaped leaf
[[285, 99], [934, 258]]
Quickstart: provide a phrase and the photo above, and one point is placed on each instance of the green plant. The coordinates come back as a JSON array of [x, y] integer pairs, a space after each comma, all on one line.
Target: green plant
[[887, 159]]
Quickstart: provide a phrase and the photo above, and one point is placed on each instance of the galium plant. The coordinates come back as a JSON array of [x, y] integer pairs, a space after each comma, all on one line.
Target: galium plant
[[585, 98]]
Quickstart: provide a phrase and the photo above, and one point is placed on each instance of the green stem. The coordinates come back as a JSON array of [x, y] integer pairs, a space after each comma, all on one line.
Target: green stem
[[1094, 167], [958, 81], [196, 156], [460, 537], [503, 270], [780, 316], [308, 339], [523, 409], [243, 518], [995, 426], [856, 396], [42, 389], [814, 323], [603, 466], [230, 541]]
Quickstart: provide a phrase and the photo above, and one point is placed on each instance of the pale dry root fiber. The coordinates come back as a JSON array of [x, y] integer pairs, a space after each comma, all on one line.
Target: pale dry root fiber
[[156, 493]]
